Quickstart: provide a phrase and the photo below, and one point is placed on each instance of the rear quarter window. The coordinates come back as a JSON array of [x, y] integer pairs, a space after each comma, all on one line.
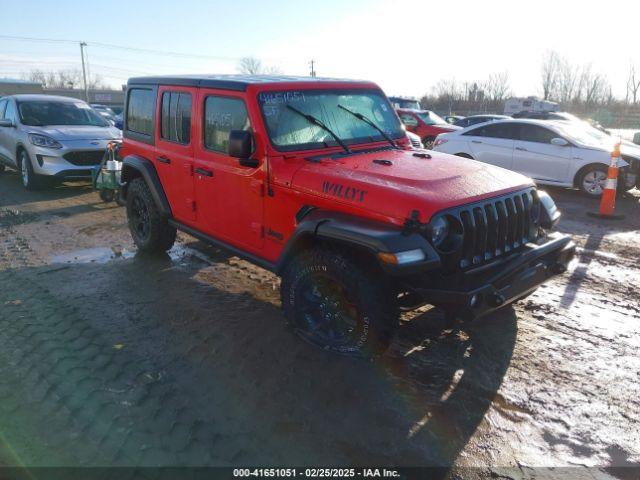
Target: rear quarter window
[[140, 113]]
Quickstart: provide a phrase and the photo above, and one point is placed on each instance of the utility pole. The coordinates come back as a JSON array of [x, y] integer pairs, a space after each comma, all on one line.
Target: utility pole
[[84, 72], [313, 71]]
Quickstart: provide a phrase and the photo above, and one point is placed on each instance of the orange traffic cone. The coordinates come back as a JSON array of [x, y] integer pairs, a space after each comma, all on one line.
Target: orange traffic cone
[[608, 199]]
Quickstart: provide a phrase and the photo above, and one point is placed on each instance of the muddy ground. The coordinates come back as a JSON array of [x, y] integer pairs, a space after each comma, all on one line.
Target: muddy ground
[[112, 358]]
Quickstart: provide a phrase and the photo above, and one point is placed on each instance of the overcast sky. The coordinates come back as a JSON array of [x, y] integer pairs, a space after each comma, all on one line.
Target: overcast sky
[[405, 46]]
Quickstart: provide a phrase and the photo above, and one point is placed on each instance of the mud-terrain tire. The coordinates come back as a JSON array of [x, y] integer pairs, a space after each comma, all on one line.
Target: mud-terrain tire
[[30, 180], [337, 304], [149, 228]]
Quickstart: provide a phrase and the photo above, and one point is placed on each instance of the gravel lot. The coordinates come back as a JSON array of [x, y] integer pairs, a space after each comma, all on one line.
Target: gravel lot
[[112, 358]]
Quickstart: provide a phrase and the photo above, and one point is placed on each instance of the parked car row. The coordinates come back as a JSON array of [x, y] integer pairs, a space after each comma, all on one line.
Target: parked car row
[[553, 148]]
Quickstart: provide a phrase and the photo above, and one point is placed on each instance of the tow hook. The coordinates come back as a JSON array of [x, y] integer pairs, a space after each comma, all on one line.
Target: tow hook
[[495, 300]]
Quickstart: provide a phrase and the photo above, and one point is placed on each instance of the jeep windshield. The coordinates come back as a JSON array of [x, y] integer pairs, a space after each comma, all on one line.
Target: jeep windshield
[[43, 113], [291, 131]]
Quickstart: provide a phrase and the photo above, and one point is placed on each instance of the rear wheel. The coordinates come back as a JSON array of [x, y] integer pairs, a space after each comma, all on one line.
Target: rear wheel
[[2, 168], [30, 180], [149, 228], [338, 305]]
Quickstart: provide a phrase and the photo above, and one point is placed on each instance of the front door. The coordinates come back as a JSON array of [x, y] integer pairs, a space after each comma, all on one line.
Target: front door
[[536, 157], [229, 196], [174, 150]]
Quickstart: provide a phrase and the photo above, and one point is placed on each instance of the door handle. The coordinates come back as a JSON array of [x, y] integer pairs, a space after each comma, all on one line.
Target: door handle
[[202, 171], [164, 160], [476, 141], [522, 149]]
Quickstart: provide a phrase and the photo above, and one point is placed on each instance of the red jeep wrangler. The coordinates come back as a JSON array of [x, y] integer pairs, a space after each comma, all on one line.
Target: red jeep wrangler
[[315, 180]]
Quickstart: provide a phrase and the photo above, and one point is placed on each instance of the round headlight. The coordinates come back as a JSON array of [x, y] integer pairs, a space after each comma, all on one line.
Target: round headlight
[[439, 230]]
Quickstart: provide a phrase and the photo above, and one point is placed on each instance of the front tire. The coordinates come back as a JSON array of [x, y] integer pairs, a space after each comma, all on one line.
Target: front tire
[[592, 180], [333, 302], [30, 181], [149, 228]]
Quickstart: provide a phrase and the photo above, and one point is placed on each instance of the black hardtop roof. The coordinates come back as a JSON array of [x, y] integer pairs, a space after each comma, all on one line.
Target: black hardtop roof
[[232, 82]]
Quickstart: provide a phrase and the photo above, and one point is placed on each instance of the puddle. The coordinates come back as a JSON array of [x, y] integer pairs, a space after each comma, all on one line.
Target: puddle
[[9, 218], [92, 255]]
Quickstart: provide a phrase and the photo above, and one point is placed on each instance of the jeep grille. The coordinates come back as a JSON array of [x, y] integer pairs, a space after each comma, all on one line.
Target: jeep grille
[[495, 227]]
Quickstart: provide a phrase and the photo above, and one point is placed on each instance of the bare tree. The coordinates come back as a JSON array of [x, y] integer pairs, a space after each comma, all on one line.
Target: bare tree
[[633, 86], [550, 72], [63, 79], [254, 66], [497, 87], [566, 81]]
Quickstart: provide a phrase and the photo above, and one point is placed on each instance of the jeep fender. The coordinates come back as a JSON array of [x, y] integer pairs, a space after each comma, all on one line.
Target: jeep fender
[[371, 236], [134, 166]]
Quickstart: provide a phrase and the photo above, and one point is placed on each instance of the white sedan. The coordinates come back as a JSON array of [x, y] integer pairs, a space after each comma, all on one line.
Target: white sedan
[[553, 153]]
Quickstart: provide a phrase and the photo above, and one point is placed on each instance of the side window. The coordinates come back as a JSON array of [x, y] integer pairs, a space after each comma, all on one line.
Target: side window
[[221, 115], [408, 119], [10, 112], [176, 117], [140, 111], [534, 133], [3, 104], [496, 130]]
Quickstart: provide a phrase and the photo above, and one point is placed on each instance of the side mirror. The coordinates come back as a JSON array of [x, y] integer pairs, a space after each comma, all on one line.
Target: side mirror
[[6, 123], [559, 142], [636, 138], [241, 147]]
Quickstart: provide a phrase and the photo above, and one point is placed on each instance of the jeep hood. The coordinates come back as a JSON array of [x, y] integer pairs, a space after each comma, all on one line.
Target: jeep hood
[[392, 183], [77, 132]]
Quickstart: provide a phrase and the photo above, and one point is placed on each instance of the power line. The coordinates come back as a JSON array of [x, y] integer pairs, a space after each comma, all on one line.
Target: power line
[[121, 47]]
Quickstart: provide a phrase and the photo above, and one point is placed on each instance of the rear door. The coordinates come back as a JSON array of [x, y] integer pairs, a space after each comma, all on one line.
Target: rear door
[[174, 149], [493, 143], [536, 157], [229, 196]]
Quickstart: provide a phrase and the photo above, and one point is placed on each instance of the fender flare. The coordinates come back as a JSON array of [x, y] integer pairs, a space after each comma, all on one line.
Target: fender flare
[[370, 235], [134, 166]]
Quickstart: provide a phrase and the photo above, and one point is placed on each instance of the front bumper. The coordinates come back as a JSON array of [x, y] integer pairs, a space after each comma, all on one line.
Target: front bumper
[[478, 293], [75, 160]]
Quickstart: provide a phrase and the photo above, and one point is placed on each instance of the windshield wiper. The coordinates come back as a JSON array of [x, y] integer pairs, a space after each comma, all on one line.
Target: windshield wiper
[[361, 117], [313, 120]]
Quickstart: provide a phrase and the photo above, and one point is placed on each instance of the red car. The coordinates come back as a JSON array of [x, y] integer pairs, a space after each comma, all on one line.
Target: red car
[[425, 123], [316, 181]]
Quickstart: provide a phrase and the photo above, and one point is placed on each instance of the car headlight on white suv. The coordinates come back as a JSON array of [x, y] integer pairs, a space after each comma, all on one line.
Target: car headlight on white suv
[[43, 141]]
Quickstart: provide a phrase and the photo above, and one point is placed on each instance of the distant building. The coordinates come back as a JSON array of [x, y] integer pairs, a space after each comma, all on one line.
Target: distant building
[[115, 98], [11, 86]]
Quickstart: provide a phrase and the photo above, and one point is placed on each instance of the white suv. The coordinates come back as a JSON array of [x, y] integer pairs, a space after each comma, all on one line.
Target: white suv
[[553, 153], [45, 136]]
